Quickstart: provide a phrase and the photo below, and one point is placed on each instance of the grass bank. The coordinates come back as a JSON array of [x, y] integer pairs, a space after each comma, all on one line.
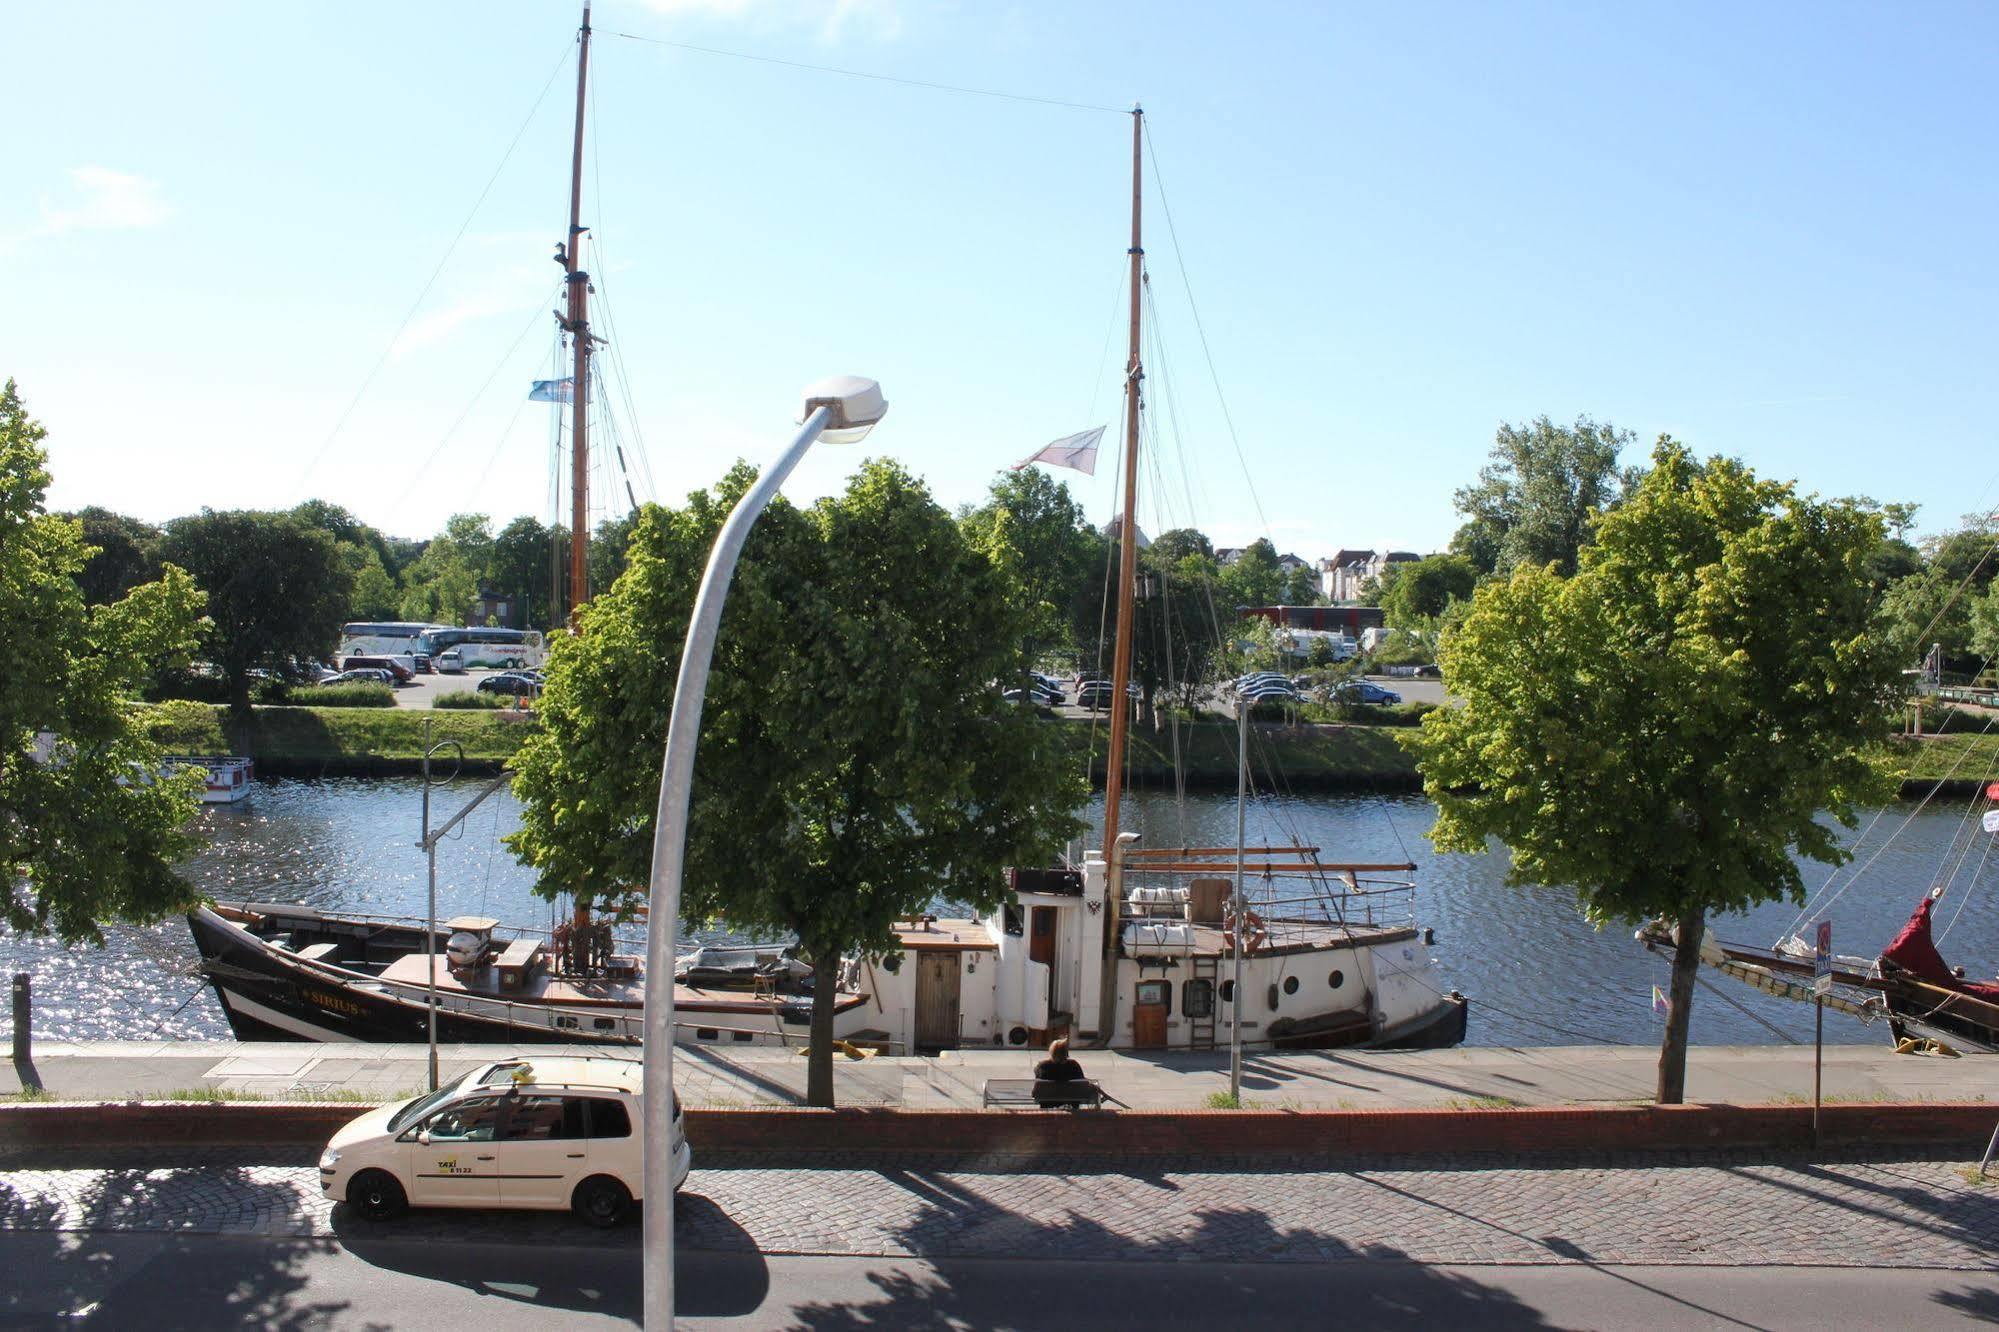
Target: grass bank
[[1965, 762], [315, 741], [1307, 757]]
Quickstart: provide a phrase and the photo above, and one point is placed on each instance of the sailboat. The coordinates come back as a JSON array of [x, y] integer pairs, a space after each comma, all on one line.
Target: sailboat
[[294, 972], [1127, 949]]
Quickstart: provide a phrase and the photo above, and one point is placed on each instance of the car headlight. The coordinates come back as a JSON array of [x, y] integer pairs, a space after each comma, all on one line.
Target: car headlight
[[328, 1159]]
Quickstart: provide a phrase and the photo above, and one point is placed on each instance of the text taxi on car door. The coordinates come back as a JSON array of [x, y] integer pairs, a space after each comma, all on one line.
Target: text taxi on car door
[[550, 1133]]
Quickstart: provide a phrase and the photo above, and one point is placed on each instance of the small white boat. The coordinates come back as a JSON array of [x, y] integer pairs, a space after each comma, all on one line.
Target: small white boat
[[229, 777]]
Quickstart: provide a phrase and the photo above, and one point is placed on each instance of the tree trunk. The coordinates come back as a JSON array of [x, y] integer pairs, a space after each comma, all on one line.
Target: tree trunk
[[1680, 1007], [819, 1057]]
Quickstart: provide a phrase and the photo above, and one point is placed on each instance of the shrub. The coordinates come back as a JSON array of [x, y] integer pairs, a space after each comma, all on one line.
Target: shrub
[[1370, 714], [353, 694], [472, 699]]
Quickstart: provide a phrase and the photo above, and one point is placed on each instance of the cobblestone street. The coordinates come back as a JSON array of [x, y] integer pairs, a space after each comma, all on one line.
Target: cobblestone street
[[1705, 1210]]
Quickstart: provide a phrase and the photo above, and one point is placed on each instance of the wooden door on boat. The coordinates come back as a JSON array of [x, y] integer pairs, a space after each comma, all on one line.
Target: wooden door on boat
[[1148, 1014], [936, 1000], [1041, 941]]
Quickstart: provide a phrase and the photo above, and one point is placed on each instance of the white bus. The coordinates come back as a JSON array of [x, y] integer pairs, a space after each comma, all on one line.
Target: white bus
[[381, 638], [483, 647]]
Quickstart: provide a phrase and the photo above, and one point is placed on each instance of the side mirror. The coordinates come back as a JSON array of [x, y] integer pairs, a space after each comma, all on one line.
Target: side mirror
[[423, 1137]]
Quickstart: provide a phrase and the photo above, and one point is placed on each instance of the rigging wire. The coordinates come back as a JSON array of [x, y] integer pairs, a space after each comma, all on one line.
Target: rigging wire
[[416, 477], [341, 423], [877, 78]]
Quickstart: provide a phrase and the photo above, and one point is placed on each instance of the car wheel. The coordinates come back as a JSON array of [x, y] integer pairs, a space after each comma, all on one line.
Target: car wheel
[[376, 1195], [602, 1201]]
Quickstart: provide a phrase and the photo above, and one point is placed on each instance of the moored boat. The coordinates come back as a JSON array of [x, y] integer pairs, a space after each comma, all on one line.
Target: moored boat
[[290, 972]]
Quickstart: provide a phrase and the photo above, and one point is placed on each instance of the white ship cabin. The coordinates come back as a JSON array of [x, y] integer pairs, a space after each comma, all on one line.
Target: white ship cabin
[[1330, 956]]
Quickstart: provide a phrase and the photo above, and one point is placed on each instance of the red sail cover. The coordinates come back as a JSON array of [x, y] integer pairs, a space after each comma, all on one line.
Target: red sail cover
[[1915, 952]]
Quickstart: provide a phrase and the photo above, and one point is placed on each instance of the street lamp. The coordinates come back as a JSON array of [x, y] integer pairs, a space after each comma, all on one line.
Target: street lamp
[[840, 410]]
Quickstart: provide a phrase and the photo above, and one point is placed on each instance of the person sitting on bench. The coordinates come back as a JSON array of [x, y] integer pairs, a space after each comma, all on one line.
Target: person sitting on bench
[[1058, 1068]]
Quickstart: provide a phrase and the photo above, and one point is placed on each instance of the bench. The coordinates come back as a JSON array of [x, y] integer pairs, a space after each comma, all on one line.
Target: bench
[[319, 952], [518, 962], [1029, 1094]]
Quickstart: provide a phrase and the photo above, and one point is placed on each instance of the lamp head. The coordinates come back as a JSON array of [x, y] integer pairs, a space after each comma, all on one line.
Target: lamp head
[[856, 405]]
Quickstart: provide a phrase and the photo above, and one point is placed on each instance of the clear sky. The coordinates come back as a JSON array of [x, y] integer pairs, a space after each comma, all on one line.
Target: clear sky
[[1767, 229]]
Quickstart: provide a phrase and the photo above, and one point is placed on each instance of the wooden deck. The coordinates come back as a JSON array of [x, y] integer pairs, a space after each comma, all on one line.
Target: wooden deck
[[547, 989]]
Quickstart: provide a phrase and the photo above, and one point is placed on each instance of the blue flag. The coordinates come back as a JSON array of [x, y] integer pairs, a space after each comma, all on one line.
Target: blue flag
[[552, 390]]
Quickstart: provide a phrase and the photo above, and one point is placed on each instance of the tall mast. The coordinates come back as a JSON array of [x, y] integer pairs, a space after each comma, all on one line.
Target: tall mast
[[1127, 527], [578, 327]]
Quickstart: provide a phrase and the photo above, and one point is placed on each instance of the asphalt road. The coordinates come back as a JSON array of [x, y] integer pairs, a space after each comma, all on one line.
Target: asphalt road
[[164, 1281], [422, 691]]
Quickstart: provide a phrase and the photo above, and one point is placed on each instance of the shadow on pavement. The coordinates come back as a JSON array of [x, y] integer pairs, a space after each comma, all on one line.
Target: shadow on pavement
[[160, 1282], [554, 1261]]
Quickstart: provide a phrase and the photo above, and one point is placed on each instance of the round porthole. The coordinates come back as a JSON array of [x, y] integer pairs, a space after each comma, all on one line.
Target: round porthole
[[1018, 1036], [1290, 985], [1228, 991], [1337, 979]]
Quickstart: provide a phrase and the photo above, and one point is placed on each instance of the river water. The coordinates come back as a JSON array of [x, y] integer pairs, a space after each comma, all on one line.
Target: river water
[[1537, 973]]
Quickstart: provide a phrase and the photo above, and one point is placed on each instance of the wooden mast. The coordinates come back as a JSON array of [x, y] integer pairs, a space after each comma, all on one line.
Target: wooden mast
[[1127, 583], [578, 326], [1127, 527]]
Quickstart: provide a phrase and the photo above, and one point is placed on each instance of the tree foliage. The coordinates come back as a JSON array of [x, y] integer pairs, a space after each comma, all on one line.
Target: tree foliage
[[82, 840], [1660, 731], [1535, 501], [856, 762], [1031, 524], [1424, 590], [1255, 578], [277, 589], [122, 554]]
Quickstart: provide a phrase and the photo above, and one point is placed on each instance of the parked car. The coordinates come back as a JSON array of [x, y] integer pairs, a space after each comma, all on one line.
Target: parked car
[[421, 661], [450, 663], [510, 683], [362, 675], [402, 674], [1362, 691], [551, 1133]]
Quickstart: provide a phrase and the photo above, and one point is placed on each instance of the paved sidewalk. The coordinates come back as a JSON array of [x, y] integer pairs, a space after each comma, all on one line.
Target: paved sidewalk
[[1360, 1080], [1716, 1210]]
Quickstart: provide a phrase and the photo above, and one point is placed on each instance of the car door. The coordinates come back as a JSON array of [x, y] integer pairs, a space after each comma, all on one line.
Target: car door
[[544, 1151], [459, 1166], [617, 1146]]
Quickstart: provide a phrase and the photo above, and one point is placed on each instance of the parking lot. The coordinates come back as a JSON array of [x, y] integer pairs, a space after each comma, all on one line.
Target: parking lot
[[425, 689]]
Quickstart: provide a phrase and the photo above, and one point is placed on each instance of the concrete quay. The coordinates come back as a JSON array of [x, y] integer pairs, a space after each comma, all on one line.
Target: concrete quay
[[707, 1077]]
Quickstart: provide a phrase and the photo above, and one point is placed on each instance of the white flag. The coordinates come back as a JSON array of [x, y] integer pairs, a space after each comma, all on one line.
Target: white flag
[[1077, 452]]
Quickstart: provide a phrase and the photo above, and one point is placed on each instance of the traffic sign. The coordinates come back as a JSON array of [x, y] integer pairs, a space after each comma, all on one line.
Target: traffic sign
[[1822, 960]]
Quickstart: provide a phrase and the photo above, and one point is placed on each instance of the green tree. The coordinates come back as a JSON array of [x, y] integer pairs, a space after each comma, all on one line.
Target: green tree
[[376, 595], [856, 763], [1058, 559], [608, 551], [1255, 578], [277, 590], [81, 842], [122, 557], [1425, 589], [1301, 587], [1536, 500], [1661, 731], [1173, 546], [525, 558], [1925, 609], [440, 584]]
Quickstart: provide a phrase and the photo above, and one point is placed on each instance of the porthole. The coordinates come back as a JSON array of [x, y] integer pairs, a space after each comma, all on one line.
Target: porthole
[[1290, 985], [1228, 991], [707, 1033], [1337, 979]]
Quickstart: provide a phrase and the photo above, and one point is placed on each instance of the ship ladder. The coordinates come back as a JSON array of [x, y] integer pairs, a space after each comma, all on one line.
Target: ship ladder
[[1201, 1030]]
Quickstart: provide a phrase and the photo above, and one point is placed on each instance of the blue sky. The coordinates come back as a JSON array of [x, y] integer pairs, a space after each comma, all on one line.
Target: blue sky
[[1764, 229]]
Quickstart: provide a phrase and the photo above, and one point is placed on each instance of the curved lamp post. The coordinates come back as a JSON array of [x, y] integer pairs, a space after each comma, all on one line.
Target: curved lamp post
[[840, 410]]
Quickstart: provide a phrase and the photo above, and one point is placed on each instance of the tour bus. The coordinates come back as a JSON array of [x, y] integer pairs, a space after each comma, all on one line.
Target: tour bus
[[476, 647], [375, 638]]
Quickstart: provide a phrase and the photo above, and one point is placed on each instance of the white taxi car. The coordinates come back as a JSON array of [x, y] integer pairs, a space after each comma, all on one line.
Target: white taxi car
[[545, 1133]]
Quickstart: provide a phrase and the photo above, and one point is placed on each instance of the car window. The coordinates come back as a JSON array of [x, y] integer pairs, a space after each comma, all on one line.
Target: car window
[[468, 1121], [608, 1119], [535, 1119]]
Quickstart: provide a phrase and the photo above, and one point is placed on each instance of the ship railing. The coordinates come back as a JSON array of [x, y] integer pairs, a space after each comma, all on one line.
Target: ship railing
[[1310, 896]]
